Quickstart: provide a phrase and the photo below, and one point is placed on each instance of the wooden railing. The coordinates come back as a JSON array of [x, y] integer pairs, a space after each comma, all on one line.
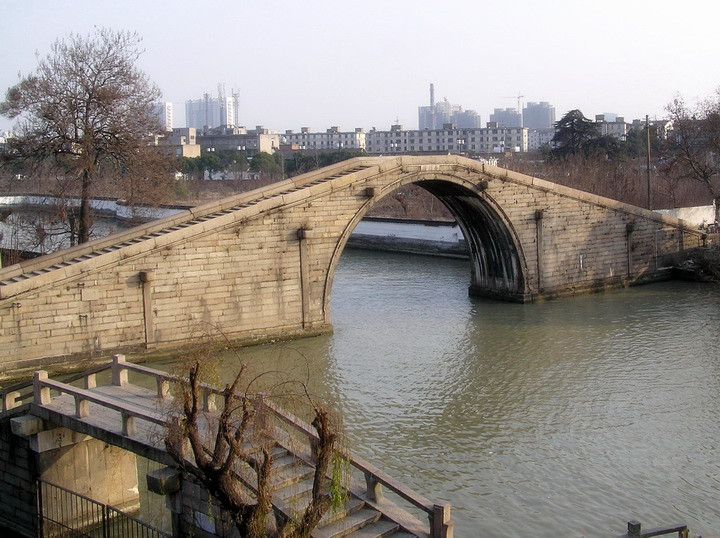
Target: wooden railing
[[440, 524]]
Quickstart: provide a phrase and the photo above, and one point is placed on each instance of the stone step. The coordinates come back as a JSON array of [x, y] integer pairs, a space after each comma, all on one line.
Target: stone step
[[291, 475], [351, 506], [348, 525], [292, 492], [379, 529], [281, 461]]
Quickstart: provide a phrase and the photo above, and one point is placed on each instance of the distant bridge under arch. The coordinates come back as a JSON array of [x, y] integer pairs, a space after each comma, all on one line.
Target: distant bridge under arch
[[260, 265]]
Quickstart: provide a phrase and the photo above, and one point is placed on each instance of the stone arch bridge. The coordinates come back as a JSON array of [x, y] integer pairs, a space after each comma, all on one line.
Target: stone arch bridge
[[261, 264]]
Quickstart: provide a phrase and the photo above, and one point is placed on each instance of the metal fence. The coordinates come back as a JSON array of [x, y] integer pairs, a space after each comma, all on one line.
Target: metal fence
[[66, 514]]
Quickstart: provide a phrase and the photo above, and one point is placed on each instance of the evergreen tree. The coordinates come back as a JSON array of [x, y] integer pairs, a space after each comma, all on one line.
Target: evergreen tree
[[572, 133]]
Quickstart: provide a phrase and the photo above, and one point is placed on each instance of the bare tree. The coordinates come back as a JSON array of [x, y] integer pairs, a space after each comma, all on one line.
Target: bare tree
[[237, 436], [694, 144], [85, 115]]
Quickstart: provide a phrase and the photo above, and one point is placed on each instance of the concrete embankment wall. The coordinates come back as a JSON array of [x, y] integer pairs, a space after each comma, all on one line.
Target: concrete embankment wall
[[693, 215], [435, 238]]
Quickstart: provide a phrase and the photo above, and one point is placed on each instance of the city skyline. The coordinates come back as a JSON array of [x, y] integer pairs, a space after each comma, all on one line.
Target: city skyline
[[318, 64]]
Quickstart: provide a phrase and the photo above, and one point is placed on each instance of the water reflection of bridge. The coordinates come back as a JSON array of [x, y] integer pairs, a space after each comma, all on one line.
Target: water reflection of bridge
[[86, 438]]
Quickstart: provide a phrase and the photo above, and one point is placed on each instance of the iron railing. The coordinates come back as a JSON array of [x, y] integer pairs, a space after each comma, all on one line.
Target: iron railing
[[66, 514]]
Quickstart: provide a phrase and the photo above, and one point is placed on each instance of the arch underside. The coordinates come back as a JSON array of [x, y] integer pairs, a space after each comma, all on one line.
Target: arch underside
[[495, 260]]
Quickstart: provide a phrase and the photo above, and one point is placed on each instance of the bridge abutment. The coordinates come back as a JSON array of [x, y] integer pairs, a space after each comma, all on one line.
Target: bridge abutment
[[32, 450], [194, 511]]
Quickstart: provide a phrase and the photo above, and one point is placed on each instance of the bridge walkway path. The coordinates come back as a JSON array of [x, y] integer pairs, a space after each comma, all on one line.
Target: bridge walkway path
[[135, 418]]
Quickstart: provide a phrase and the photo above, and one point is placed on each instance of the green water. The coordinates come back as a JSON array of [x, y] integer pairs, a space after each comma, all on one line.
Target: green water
[[562, 418]]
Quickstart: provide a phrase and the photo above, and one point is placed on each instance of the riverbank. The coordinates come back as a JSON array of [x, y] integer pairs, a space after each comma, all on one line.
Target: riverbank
[[699, 264], [411, 236]]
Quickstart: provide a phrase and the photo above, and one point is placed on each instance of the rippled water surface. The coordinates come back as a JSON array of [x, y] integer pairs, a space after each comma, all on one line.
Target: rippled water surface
[[562, 418]]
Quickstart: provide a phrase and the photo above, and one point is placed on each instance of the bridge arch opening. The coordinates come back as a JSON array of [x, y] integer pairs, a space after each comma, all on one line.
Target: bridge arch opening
[[498, 268], [496, 265]]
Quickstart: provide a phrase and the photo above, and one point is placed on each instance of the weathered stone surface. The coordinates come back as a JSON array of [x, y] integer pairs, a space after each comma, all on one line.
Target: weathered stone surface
[[26, 425], [164, 481], [261, 264]]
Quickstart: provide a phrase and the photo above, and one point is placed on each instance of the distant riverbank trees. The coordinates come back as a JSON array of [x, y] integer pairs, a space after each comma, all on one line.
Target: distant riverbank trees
[[577, 136], [684, 164], [693, 145], [233, 162], [301, 163]]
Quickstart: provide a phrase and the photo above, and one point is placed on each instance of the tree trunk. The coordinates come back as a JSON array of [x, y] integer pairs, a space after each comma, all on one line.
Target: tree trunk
[[85, 218]]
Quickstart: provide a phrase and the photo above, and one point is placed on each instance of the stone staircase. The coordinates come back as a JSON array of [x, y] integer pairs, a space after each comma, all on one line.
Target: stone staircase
[[292, 485], [134, 417]]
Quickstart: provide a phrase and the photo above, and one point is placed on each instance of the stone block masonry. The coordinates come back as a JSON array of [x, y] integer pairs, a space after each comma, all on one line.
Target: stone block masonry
[[18, 489], [260, 265]]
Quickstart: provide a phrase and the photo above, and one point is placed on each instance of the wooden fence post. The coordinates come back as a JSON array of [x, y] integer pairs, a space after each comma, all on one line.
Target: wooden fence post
[[441, 526]]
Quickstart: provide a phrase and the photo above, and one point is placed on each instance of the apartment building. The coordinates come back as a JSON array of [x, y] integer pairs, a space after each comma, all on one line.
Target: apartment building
[[332, 139], [538, 138], [240, 139], [164, 114], [507, 117], [538, 115], [449, 139], [180, 142], [615, 127]]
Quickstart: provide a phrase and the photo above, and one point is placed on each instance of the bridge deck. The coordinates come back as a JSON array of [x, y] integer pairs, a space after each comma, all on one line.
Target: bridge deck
[[135, 418]]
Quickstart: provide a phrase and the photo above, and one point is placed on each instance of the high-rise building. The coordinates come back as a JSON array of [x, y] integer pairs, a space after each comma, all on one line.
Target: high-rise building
[[538, 115], [507, 117], [164, 113], [210, 112], [466, 119], [438, 114]]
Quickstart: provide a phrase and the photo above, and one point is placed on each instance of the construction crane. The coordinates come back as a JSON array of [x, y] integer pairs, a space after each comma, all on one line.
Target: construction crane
[[518, 97]]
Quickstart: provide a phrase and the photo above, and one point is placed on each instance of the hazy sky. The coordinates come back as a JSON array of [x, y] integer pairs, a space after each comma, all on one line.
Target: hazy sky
[[319, 63]]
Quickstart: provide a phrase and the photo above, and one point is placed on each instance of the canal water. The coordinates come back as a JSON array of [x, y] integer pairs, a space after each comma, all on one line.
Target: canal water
[[562, 418]]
